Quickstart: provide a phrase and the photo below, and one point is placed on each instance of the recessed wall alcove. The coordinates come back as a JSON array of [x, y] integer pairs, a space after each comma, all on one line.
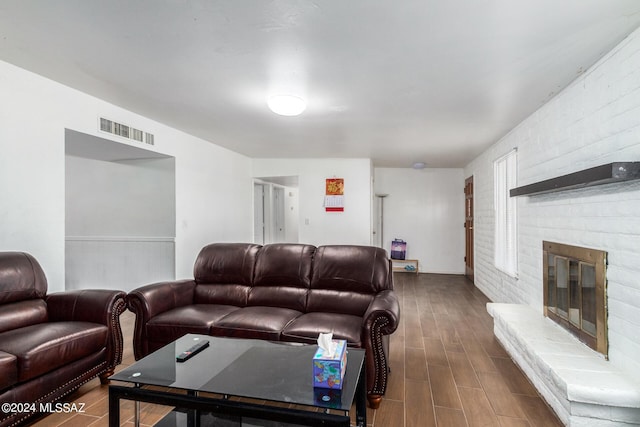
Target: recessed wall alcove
[[119, 214]]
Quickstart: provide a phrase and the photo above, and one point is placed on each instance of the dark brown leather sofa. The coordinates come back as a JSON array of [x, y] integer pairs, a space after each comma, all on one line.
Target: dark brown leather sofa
[[51, 344], [277, 292]]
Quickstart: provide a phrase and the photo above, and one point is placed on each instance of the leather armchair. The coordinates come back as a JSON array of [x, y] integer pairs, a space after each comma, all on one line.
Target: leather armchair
[[52, 344]]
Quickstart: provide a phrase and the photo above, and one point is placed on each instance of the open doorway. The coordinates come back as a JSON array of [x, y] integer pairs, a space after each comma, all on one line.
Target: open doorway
[[119, 214], [259, 225], [468, 228], [275, 207]]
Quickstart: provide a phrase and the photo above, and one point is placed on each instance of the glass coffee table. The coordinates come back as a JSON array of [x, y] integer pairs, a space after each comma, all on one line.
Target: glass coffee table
[[204, 389]]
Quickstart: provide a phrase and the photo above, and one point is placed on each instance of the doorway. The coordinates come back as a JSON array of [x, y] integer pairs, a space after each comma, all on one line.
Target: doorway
[[275, 210], [278, 215], [468, 227], [258, 213], [120, 214]]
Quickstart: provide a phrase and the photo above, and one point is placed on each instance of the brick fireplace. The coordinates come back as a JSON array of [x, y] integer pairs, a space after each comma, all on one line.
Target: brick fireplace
[[563, 347]]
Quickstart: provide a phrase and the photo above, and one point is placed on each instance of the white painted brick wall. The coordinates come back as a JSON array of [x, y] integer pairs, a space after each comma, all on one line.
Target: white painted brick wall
[[596, 120]]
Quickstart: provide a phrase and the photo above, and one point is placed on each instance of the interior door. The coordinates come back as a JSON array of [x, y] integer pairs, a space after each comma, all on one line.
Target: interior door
[[258, 214], [278, 215], [468, 227]]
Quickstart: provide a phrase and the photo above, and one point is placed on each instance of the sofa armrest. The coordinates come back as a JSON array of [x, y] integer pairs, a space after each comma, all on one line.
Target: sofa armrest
[[92, 305], [150, 300], [156, 298], [380, 320], [86, 305], [385, 304]]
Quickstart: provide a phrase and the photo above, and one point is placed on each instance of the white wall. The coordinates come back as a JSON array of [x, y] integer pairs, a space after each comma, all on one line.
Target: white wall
[[594, 121], [213, 185], [126, 198], [317, 227], [121, 263], [426, 209], [120, 222], [291, 214]]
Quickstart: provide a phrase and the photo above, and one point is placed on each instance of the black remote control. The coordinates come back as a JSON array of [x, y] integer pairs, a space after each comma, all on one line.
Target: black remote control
[[192, 351]]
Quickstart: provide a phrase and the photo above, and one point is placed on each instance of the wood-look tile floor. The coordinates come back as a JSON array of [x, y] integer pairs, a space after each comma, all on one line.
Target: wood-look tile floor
[[447, 368]]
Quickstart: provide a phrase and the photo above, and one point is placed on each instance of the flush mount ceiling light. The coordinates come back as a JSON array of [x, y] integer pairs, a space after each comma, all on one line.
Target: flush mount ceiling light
[[286, 105], [419, 165]]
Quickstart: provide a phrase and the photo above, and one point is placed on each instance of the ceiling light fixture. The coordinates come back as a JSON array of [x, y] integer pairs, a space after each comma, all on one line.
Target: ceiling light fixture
[[419, 165], [286, 105]]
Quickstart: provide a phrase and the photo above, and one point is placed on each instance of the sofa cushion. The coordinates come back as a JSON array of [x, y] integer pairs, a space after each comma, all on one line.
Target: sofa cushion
[[282, 276], [21, 278], [226, 263], [255, 322], [363, 269], [346, 278], [223, 273], [339, 302], [46, 346], [8, 370], [194, 319], [307, 327], [222, 294], [22, 313]]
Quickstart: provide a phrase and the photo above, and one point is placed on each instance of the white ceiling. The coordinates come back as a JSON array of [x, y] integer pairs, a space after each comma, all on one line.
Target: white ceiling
[[436, 81]]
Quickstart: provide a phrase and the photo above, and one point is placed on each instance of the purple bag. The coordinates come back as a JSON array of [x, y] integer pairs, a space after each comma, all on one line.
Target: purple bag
[[398, 249]]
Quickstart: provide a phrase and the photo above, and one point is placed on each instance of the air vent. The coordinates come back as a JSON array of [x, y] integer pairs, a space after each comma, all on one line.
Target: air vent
[[125, 131]]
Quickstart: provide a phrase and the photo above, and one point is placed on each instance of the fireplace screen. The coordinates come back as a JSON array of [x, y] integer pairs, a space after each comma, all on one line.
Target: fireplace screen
[[574, 291]]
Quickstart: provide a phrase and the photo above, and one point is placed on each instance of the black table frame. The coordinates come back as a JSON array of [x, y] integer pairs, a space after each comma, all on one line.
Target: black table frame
[[235, 408]]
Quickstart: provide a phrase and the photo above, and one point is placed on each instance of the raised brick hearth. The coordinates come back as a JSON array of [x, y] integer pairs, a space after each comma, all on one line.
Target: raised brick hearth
[[581, 386]]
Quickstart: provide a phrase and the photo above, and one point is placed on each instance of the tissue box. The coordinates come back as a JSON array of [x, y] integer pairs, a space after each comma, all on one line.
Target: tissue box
[[328, 372]]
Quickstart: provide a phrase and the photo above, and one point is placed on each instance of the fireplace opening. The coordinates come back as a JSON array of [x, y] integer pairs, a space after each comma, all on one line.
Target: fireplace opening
[[575, 292]]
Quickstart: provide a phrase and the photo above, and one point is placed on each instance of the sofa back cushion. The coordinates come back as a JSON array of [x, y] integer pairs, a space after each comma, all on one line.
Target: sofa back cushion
[[223, 273], [21, 278], [282, 276], [23, 287], [22, 313], [346, 278]]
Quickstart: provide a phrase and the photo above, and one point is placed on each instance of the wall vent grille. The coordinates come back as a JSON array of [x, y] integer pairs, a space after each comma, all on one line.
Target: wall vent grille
[[126, 131]]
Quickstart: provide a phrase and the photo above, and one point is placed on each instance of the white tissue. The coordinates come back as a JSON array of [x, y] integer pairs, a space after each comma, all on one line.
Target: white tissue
[[325, 342]]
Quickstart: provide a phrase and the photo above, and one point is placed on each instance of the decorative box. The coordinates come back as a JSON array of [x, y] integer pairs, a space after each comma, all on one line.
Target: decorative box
[[328, 372]]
